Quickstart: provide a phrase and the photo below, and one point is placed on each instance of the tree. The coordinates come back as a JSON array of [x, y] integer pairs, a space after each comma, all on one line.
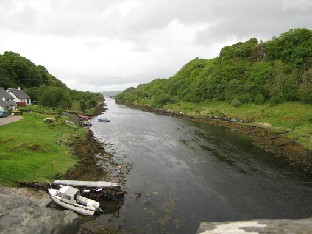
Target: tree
[[55, 97], [248, 71]]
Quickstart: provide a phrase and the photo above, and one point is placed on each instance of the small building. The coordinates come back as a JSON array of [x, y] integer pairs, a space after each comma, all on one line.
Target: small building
[[6, 101], [20, 97]]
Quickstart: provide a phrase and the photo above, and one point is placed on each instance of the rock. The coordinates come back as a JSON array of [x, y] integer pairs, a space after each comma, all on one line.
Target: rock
[[23, 211], [303, 226]]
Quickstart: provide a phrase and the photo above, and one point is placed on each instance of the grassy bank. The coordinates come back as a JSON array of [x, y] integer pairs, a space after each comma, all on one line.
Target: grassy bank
[[294, 120], [31, 150]]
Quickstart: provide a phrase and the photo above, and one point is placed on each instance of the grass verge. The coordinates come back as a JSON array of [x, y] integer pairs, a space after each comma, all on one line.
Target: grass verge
[[292, 119], [31, 150]]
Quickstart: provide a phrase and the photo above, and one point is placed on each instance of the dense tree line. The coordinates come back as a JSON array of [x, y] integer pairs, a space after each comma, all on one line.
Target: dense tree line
[[273, 71], [40, 85]]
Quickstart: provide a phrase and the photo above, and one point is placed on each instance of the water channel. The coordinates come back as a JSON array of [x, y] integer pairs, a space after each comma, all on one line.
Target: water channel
[[185, 172]]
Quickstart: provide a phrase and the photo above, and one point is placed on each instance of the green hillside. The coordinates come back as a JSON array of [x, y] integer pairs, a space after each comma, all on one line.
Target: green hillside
[[41, 86], [247, 72], [266, 83]]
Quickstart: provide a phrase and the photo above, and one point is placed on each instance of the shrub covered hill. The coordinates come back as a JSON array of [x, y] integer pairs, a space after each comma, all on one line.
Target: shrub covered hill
[[254, 71], [41, 86]]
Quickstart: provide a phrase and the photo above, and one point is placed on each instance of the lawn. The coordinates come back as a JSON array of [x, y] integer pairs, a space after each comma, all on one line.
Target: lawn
[[31, 150], [293, 117]]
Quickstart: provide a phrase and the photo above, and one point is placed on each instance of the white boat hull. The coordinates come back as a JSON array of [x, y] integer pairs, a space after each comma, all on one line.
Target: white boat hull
[[73, 208], [78, 208]]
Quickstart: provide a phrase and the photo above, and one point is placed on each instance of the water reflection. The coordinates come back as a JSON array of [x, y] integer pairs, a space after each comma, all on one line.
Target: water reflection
[[185, 172]]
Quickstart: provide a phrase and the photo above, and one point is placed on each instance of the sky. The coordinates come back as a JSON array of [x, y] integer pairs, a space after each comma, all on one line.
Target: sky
[[105, 45]]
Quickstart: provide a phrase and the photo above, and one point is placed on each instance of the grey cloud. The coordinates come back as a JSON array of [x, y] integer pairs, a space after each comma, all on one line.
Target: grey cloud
[[142, 77], [93, 23], [240, 18], [262, 19]]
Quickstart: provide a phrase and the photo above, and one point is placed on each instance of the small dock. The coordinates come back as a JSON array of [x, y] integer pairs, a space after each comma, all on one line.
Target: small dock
[[98, 190], [87, 184]]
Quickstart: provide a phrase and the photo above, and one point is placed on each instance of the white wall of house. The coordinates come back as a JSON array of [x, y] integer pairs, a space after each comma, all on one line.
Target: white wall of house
[[15, 99], [27, 101]]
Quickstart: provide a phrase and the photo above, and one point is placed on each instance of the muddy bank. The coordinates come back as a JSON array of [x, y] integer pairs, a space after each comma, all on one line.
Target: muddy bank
[[87, 167], [93, 164], [298, 157]]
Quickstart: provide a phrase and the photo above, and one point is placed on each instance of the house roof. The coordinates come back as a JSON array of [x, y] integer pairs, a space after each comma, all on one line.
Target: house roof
[[19, 93], [5, 94], [7, 103]]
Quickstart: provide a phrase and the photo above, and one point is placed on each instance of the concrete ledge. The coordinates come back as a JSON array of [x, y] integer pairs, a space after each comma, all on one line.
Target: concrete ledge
[[24, 211], [302, 226]]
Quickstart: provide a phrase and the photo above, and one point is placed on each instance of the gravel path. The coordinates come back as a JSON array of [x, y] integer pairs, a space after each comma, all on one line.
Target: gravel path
[[10, 119]]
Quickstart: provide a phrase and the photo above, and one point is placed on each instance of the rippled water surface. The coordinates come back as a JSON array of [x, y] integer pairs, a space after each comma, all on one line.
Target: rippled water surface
[[185, 172]]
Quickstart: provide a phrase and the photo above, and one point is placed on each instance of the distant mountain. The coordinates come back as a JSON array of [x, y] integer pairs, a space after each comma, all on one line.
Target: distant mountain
[[111, 93]]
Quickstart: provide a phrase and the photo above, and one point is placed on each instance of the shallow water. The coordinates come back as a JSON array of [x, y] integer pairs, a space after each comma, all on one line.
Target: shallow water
[[185, 172]]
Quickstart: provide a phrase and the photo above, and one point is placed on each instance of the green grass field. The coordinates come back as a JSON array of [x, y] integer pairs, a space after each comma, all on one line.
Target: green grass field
[[295, 117], [31, 150]]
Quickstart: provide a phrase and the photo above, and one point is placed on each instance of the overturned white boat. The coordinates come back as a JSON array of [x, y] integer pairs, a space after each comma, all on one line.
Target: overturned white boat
[[70, 198]]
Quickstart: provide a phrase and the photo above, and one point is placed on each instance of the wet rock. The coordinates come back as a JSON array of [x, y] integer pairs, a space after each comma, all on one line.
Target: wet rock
[[138, 195], [35, 185], [23, 211], [303, 226]]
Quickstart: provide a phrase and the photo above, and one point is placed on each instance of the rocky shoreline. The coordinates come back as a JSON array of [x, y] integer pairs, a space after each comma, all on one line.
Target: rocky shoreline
[[28, 212], [91, 154], [298, 157], [87, 168]]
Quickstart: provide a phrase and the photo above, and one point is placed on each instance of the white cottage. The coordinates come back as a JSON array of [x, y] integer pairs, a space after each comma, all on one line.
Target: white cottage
[[6, 101], [20, 97]]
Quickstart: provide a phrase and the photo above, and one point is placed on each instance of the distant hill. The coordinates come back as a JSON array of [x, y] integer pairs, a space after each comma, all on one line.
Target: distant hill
[[247, 72], [40, 85], [111, 93], [18, 71]]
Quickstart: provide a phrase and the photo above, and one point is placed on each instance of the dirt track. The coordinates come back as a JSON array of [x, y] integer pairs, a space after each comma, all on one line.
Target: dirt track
[[10, 119]]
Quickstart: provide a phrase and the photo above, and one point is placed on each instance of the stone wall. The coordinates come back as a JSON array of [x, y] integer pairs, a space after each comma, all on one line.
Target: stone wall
[[24, 211]]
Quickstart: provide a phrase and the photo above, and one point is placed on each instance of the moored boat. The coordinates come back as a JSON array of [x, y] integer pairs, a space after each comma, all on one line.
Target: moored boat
[[70, 198], [86, 124], [98, 190], [103, 120]]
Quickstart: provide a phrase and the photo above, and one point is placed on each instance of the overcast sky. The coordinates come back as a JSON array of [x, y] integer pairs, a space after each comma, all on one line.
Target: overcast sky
[[101, 45]]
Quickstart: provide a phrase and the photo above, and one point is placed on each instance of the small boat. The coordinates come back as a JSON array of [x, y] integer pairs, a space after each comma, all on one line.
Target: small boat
[[86, 124], [70, 198], [103, 120], [99, 190]]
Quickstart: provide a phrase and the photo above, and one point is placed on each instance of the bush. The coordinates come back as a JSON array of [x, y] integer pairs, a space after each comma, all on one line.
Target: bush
[[236, 103], [259, 99], [305, 94], [276, 100]]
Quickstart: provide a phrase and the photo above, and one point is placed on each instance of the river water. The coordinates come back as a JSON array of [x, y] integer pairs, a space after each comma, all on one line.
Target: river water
[[185, 172]]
